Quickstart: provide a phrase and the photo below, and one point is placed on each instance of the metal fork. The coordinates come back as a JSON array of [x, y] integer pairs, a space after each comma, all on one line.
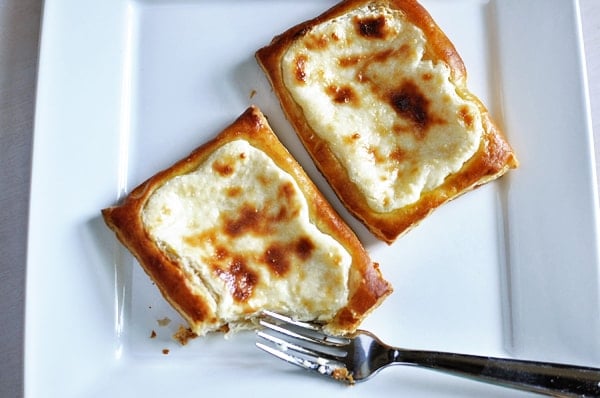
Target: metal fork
[[358, 357]]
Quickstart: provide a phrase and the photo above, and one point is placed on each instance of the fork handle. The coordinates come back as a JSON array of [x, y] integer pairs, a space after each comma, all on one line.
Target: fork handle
[[540, 377]]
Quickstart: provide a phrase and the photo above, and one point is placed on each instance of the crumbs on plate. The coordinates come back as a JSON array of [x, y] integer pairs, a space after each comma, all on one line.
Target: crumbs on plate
[[183, 335]]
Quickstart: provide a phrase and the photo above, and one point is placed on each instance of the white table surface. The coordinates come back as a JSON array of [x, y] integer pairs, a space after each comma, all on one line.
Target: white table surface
[[19, 32]]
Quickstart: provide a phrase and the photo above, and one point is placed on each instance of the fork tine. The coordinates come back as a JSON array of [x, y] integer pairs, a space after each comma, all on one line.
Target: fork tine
[[284, 345], [305, 363], [322, 354], [288, 332], [331, 368], [288, 320], [302, 331]]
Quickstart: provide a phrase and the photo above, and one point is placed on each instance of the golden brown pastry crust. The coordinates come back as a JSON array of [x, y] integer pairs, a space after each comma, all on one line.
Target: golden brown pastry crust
[[366, 285], [493, 158]]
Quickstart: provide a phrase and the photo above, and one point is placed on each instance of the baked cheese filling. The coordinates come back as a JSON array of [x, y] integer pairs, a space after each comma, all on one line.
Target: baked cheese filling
[[391, 117], [240, 226]]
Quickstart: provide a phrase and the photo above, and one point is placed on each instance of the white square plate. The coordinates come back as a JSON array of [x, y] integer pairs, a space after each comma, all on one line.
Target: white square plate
[[128, 87]]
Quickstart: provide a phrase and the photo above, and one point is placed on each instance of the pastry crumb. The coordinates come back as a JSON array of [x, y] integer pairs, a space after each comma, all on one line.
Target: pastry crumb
[[152, 334], [165, 351], [342, 374], [183, 335], [163, 322]]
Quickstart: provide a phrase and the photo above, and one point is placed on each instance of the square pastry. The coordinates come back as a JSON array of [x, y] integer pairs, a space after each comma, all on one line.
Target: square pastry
[[377, 94], [237, 227]]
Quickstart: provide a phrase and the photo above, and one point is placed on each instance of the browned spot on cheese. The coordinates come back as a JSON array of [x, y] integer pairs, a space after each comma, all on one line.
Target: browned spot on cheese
[[351, 139], [342, 95], [349, 61], [199, 239], [398, 154], [277, 259], [247, 220], [278, 255], [299, 65], [233, 192], [309, 304], [383, 56], [282, 215], [304, 247], [377, 156], [286, 191], [314, 42], [264, 221], [410, 103], [371, 27], [193, 240], [401, 128], [466, 116], [223, 168], [240, 280], [427, 76], [221, 253], [263, 180], [405, 49]]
